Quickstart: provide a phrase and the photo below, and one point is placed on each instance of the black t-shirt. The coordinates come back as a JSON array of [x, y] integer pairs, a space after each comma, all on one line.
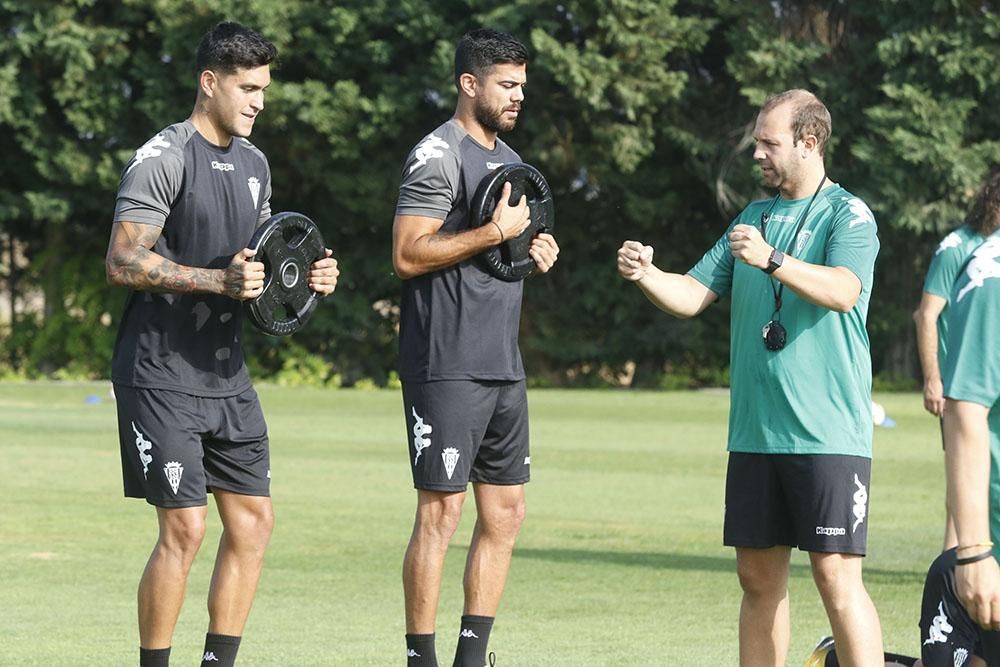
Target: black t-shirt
[[458, 322], [208, 200]]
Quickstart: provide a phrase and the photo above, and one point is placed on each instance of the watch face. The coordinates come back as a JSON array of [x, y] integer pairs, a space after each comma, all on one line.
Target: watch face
[[777, 258]]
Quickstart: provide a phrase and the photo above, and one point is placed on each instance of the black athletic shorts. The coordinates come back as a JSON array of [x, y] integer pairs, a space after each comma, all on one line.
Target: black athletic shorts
[[465, 430], [176, 447], [816, 502], [948, 636]]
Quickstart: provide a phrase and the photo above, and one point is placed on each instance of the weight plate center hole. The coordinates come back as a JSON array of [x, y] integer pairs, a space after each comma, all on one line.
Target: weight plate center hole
[[289, 274]]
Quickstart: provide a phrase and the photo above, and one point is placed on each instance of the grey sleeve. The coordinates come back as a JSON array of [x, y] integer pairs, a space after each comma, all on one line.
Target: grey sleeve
[[265, 208], [150, 183], [430, 184]]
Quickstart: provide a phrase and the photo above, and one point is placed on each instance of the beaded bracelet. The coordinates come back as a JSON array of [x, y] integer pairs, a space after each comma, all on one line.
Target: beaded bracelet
[[974, 559]]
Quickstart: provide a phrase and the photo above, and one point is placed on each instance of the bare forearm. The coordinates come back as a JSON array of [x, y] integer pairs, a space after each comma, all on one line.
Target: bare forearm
[[927, 345], [677, 294], [967, 464], [836, 288], [438, 250]]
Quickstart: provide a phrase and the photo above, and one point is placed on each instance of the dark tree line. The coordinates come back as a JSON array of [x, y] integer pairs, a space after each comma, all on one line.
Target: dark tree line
[[638, 111]]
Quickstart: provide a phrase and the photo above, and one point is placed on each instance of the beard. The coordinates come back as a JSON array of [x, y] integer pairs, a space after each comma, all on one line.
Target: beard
[[491, 118]]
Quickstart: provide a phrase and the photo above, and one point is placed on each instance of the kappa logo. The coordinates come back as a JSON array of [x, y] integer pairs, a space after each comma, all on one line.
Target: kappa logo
[[940, 627], [493, 165], [862, 214], [527, 460], [410, 653], [953, 240], [468, 634], [152, 148], [420, 429], [982, 266], [429, 149], [254, 186], [223, 166], [174, 471], [830, 530], [143, 446], [209, 657], [450, 457], [860, 503], [960, 655]]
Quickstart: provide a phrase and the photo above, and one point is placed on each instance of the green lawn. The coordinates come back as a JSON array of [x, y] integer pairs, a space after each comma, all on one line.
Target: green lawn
[[619, 563]]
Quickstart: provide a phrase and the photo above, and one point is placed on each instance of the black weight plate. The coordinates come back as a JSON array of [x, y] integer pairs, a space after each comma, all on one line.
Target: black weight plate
[[287, 244], [510, 260]]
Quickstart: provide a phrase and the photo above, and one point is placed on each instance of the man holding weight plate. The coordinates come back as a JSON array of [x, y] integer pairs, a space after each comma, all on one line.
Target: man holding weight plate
[[463, 381], [189, 420], [799, 267]]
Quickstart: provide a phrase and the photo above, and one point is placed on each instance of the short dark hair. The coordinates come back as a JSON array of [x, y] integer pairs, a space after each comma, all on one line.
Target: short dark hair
[[228, 47], [809, 115], [984, 215], [480, 50]]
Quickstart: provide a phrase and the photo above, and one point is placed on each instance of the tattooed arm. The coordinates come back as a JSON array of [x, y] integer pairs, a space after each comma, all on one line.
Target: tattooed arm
[[131, 263]]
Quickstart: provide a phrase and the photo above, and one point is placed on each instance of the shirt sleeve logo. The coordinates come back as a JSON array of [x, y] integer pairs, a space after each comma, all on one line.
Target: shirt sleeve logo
[[953, 240], [429, 149], [982, 267], [862, 214], [152, 148]]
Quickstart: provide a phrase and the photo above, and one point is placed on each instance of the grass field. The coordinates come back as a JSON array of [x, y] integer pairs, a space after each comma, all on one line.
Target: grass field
[[619, 563]]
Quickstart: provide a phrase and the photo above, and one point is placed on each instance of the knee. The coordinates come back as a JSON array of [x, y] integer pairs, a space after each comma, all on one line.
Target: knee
[[759, 582], [835, 580], [254, 525], [438, 522], [505, 522], [182, 536]]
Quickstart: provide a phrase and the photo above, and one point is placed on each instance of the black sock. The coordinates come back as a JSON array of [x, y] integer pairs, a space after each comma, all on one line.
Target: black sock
[[154, 657], [220, 650], [420, 651], [472, 640]]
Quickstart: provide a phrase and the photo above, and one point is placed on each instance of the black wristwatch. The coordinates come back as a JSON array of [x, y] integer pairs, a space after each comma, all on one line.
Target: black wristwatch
[[774, 261]]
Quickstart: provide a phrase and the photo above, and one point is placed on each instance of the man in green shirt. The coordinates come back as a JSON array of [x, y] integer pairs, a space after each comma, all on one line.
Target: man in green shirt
[[961, 603], [930, 316], [799, 267]]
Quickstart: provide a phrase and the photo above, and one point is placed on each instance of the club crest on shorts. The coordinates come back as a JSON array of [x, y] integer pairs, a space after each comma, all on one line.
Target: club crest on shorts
[[860, 503], [420, 429], [174, 471], [450, 457], [143, 446]]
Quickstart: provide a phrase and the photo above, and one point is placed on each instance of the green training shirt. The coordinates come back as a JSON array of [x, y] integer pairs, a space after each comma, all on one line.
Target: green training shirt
[[972, 368], [949, 257], [813, 396]]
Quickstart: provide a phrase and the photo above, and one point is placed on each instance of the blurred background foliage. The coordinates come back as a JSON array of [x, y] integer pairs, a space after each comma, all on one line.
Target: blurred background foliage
[[638, 111]]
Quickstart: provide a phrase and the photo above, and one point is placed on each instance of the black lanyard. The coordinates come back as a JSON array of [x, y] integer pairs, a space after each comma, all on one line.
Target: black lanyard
[[777, 291]]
